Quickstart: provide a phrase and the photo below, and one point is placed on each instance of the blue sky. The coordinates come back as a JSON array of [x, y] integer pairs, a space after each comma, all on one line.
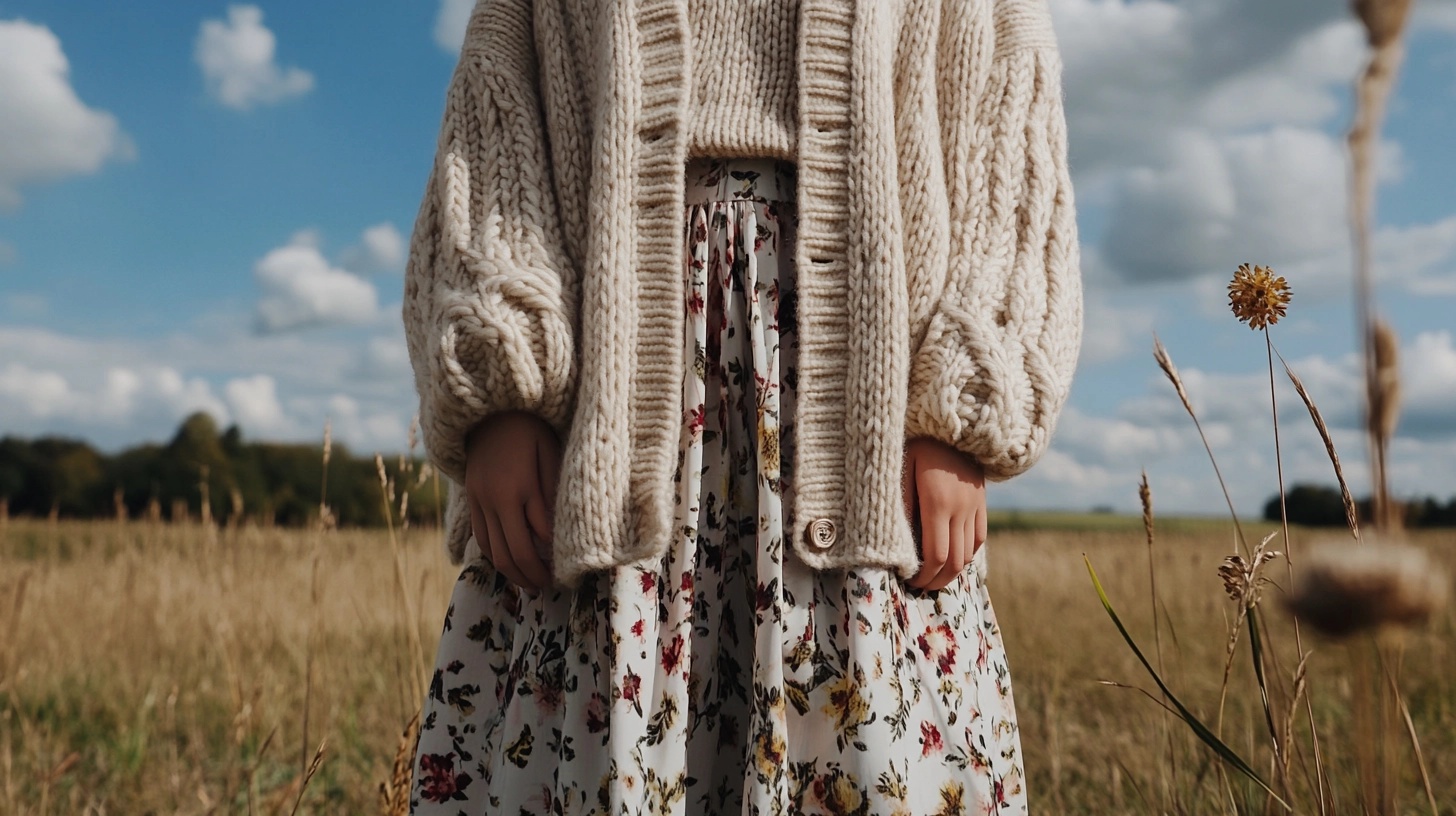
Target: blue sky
[[206, 205]]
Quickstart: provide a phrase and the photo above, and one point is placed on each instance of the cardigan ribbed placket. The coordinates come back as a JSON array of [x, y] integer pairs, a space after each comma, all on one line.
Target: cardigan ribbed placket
[[937, 290]]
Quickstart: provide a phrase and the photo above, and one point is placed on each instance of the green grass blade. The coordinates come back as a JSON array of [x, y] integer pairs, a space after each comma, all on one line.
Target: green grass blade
[[1256, 646], [1199, 729]]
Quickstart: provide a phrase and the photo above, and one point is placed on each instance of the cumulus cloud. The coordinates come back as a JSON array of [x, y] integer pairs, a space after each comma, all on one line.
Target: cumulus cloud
[[1215, 145], [238, 62], [1420, 259], [1095, 459], [46, 131], [301, 288], [1276, 195], [254, 403], [450, 24], [116, 391], [50, 398], [381, 249], [1436, 14], [1429, 383], [367, 429]]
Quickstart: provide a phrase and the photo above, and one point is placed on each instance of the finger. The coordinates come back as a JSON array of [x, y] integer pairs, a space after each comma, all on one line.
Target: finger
[[907, 487], [478, 528], [523, 549], [501, 552], [935, 543], [548, 469], [538, 515], [955, 559], [982, 522]]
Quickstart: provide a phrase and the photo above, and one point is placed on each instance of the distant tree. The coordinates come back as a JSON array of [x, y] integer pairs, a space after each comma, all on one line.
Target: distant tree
[[278, 483], [1311, 505]]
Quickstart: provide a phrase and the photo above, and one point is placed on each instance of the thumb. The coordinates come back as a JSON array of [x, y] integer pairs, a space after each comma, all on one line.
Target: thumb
[[908, 490]]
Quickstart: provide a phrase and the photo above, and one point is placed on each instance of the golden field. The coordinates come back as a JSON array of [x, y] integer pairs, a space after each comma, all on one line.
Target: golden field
[[147, 668]]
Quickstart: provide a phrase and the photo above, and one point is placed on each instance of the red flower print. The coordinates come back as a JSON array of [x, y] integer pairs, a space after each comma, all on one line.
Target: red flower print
[[695, 302], [631, 687], [638, 627], [930, 739], [695, 421], [438, 780], [939, 644], [687, 581], [596, 714], [649, 582], [672, 655]]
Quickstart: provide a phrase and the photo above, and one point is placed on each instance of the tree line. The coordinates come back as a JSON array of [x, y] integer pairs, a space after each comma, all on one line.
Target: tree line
[[1322, 506], [205, 472]]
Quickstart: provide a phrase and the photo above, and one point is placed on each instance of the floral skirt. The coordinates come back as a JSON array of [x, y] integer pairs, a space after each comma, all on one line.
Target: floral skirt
[[728, 677]]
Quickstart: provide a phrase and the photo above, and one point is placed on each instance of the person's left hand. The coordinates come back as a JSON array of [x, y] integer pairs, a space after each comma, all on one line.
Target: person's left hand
[[949, 490]]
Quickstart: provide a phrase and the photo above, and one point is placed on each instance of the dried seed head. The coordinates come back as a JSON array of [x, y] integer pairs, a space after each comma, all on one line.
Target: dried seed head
[[1145, 495], [1352, 516], [1242, 579], [328, 440], [1385, 381], [1165, 362], [1383, 19], [1257, 297], [385, 483], [1342, 589]]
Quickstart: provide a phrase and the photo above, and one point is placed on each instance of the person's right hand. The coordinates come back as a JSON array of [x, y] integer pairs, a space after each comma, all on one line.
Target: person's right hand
[[512, 462]]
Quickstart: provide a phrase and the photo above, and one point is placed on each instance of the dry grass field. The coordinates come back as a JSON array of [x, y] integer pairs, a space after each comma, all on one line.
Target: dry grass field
[[156, 669]]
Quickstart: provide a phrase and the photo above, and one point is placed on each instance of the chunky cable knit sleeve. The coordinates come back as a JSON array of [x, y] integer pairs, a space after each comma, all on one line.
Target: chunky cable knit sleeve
[[490, 295], [996, 362]]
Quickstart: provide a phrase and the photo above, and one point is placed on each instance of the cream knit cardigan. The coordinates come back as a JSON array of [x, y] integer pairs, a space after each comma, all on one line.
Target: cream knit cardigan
[[938, 285]]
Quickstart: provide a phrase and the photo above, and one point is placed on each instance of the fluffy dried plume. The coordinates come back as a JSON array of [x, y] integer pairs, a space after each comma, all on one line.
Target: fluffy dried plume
[[1343, 589]]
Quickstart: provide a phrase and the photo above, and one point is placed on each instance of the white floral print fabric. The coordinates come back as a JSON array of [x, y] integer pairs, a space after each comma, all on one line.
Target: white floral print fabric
[[726, 677]]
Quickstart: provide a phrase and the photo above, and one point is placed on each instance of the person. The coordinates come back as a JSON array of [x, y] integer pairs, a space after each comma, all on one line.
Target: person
[[721, 316]]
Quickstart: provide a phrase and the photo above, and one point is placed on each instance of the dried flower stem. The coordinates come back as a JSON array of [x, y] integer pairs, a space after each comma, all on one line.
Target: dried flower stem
[[1352, 516], [1145, 498], [1384, 22], [1289, 571], [412, 633], [1165, 362]]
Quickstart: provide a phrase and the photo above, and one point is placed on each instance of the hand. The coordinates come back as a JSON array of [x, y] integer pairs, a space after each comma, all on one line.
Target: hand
[[949, 490], [512, 463]]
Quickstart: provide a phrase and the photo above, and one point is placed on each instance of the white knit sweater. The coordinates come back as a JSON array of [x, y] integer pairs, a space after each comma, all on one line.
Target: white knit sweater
[[937, 260]]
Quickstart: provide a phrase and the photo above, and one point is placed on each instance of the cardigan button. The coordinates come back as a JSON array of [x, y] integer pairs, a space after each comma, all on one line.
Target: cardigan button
[[821, 533]]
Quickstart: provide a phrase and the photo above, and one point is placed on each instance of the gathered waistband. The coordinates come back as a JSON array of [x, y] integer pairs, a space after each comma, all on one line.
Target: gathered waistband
[[712, 178]]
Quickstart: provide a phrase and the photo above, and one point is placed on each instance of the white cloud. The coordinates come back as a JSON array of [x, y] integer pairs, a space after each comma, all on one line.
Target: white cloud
[[254, 403], [301, 288], [1095, 459], [1205, 131], [116, 391], [1436, 14], [1276, 196], [1420, 259], [237, 61], [122, 395], [1429, 382], [381, 248], [46, 131], [367, 430], [386, 357], [450, 24]]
